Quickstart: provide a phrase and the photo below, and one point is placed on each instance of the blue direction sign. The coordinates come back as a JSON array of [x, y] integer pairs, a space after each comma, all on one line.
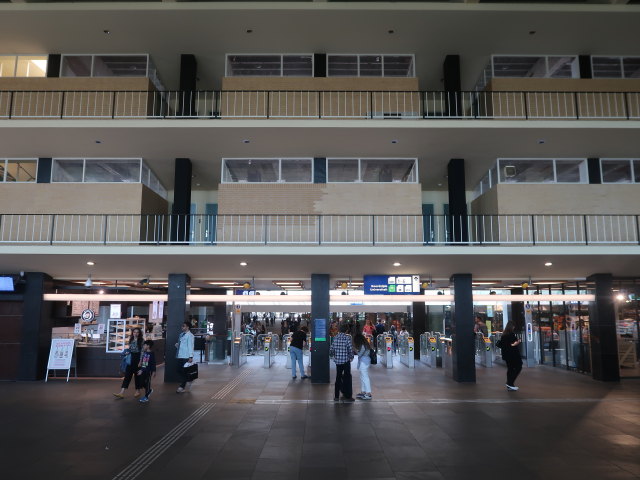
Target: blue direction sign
[[391, 284]]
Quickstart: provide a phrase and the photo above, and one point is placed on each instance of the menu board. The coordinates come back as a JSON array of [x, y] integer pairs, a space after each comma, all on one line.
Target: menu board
[[60, 354], [77, 307]]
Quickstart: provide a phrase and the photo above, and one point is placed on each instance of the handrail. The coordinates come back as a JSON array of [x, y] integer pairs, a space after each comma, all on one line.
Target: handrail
[[318, 230], [319, 104]]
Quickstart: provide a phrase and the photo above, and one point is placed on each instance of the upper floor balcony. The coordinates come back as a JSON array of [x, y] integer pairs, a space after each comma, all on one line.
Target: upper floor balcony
[[320, 104]]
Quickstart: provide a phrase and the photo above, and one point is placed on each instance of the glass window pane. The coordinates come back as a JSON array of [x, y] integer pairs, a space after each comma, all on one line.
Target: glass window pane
[[370, 66], [631, 67], [251, 170], [519, 67], [636, 170], [398, 66], [31, 66], [606, 67], [118, 171], [21, 170], [526, 171], [494, 175], [342, 66], [296, 170], [342, 170], [76, 66], [3, 163], [120, 66], [571, 171], [67, 170], [297, 66], [616, 171], [563, 67], [253, 65], [387, 170], [7, 65]]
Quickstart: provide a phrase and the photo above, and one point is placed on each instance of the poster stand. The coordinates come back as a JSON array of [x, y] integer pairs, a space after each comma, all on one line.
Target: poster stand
[[62, 356]]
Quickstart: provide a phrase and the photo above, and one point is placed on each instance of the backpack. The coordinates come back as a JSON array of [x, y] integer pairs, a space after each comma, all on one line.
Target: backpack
[[373, 356]]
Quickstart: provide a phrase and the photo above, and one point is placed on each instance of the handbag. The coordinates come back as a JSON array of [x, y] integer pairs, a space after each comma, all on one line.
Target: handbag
[[191, 371], [373, 356], [125, 360]]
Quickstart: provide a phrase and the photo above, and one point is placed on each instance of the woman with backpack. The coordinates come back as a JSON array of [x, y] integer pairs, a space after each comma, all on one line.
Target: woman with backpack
[[362, 348]]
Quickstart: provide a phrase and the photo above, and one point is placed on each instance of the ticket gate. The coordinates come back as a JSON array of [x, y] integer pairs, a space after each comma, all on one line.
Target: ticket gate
[[270, 349], [484, 350], [430, 349], [406, 348], [239, 350], [385, 350], [286, 348]]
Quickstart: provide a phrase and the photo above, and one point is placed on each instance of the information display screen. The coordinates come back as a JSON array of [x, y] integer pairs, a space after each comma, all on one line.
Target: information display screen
[[6, 284], [391, 284], [320, 330]]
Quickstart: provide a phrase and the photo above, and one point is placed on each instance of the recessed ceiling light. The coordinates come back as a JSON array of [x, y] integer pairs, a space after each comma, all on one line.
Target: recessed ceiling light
[[397, 264], [394, 141], [390, 32], [243, 264], [249, 31], [106, 32], [532, 32], [548, 264], [101, 292], [197, 184], [541, 141], [98, 141], [246, 141], [91, 263], [439, 184]]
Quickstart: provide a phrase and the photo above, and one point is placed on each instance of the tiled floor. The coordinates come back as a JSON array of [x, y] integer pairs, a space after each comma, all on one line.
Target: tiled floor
[[420, 425]]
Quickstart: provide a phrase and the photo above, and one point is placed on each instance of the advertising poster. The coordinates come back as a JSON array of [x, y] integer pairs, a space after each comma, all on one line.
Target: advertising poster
[[116, 310], [60, 354]]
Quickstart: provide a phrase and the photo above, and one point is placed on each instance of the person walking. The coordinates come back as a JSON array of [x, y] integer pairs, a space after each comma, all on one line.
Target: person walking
[[342, 353], [362, 347], [184, 354], [147, 369], [135, 349], [511, 354], [298, 339], [368, 328]]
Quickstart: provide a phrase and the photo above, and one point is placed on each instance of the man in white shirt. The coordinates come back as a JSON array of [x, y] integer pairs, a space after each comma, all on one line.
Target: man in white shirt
[[184, 353]]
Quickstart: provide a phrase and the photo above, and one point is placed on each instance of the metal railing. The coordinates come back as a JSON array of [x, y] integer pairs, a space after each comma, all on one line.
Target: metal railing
[[302, 104], [367, 230]]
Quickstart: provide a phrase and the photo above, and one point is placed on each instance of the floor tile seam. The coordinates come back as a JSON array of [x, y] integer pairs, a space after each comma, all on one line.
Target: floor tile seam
[[228, 388]]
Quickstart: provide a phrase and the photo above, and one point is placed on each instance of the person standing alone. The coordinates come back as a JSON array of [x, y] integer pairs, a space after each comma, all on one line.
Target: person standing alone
[[342, 353], [298, 339], [511, 354], [184, 353]]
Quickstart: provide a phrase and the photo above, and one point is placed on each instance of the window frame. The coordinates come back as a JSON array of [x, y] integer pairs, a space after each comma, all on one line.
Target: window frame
[[93, 60], [282, 55], [5, 163], [15, 63], [631, 162], [620, 59], [278, 181], [360, 159], [583, 171], [381, 55], [546, 63]]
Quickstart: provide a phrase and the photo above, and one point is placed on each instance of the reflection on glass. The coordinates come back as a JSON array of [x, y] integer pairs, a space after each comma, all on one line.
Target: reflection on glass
[[295, 170], [31, 66], [67, 170], [20, 170], [526, 171], [342, 170], [115, 171], [120, 66], [76, 66], [342, 66], [615, 171]]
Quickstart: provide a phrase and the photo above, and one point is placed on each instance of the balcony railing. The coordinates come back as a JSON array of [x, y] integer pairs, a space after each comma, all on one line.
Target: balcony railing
[[306, 230], [287, 104]]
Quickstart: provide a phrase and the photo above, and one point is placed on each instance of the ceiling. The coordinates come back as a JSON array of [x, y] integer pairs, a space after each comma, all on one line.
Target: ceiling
[[209, 30], [206, 142]]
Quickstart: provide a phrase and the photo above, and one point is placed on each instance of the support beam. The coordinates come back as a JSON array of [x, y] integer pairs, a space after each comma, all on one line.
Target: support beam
[[602, 330], [458, 228], [462, 335], [180, 225], [320, 328], [177, 313]]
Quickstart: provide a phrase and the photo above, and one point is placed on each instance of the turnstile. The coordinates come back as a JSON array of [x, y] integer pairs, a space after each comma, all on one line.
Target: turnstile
[[406, 347], [484, 350], [385, 350], [430, 349], [239, 350], [286, 348], [270, 349]]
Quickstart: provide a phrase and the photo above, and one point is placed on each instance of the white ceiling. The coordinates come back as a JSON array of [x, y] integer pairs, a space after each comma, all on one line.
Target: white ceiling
[[211, 30]]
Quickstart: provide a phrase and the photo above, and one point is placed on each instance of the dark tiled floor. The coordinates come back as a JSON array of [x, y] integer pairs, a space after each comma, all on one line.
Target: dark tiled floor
[[421, 425]]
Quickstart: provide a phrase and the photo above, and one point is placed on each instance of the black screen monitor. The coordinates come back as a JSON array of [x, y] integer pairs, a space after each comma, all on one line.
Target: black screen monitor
[[6, 284]]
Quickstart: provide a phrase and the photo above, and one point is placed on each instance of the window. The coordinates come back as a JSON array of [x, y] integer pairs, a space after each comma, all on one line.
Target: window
[[372, 170], [105, 170], [376, 65], [615, 67], [18, 169], [571, 171], [616, 170], [23, 65], [124, 65], [532, 66], [267, 170], [272, 65], [542, 170]]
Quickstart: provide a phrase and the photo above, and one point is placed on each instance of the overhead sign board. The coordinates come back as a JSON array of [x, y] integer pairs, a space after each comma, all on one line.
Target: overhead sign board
[[391, 284]]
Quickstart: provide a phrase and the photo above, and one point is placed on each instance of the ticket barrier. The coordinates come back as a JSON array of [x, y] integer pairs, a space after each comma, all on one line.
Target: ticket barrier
[[406, 348], [430, 349], [385, 350], [286, 344], [447, 353], [239, 350], [484, 350], [270, 349]]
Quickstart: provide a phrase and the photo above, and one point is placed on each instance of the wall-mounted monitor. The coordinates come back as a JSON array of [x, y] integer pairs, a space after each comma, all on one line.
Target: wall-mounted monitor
[[6, 284]]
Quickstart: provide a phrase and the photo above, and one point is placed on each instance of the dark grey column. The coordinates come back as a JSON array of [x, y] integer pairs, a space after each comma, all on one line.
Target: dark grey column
[[177, 313], [584, 61], [602, 330], [517, 311], [53, 65], [319, 64], [419, 326], [44, 170], [593, 166], [181, 201], [188, 85], [464, 349], [319, 170], [451, 76], [320, 328], [458, 228], [36, 327]]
